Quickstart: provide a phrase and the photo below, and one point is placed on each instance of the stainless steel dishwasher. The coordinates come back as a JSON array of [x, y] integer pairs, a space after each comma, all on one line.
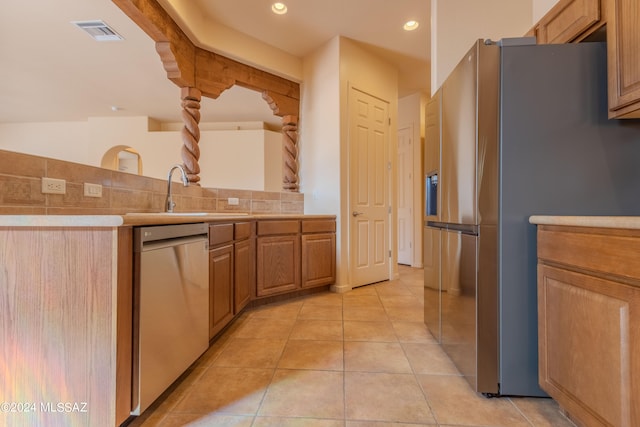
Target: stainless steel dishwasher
[[171, 306]]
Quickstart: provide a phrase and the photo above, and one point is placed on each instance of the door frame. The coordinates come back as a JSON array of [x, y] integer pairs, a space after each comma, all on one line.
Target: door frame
[[411, 223]]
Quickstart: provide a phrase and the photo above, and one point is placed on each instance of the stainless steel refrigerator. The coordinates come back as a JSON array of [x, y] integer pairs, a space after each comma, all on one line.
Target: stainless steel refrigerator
[[517, 129]]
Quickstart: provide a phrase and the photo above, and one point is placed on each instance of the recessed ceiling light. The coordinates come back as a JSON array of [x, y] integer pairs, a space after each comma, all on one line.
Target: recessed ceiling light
[[411, 25], [279, 8]]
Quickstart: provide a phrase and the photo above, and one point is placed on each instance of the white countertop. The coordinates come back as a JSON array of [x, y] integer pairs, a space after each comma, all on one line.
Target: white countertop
[[61, 220], [136, 219], [628, 222]]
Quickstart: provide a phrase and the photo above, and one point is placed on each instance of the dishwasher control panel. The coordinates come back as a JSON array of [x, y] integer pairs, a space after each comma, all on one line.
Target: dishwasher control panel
[[156, 233]]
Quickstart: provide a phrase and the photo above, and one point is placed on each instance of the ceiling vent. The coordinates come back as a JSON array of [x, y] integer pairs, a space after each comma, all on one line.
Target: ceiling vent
[[99, 30]]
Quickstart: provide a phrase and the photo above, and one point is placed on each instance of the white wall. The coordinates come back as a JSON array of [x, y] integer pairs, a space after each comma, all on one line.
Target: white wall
[[273, 161], [238, 159], [540, 8], [57, 140], [319, 131], [319, 140], [366, 72], [157, 150], [457, 24], [323, 131]]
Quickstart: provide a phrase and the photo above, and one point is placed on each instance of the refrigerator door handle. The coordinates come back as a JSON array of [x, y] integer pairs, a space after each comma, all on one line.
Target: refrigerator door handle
[[471, 229], [436, 224]]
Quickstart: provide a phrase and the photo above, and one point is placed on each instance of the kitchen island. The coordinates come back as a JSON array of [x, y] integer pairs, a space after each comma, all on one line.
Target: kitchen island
[[66, 307], [589, 316]]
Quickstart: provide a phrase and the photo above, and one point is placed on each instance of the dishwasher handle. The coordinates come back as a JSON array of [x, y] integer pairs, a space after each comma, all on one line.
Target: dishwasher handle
[[161, 244], [142, 236]]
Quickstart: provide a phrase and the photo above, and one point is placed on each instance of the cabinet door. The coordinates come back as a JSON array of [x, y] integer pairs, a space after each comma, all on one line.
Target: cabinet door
[[220, 288], [318, 259], [567, 21], [244, 273], [623, 57], [278, 264], [589, 346]]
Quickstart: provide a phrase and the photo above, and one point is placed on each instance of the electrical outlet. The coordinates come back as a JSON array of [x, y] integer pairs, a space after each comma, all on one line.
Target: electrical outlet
[[232, 201], [92, 190], [54, 186]]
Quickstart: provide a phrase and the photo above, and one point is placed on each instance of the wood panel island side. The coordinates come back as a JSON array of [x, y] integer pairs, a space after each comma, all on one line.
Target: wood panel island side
[[65, 316]]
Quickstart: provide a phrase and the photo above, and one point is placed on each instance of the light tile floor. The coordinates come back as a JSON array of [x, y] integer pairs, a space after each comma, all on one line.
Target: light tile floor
[[360, 359]]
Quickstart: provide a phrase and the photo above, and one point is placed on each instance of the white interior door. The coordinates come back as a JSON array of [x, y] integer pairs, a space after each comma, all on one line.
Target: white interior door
[[368, 188], [405, 196]]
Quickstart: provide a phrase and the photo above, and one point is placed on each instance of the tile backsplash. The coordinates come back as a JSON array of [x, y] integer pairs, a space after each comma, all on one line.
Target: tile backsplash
[[21, 192]]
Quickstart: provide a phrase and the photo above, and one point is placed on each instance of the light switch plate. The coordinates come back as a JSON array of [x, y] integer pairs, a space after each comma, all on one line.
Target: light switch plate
[[92, 190]]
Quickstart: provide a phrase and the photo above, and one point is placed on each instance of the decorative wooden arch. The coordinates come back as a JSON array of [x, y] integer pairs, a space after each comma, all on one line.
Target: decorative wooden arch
[[199, 72]]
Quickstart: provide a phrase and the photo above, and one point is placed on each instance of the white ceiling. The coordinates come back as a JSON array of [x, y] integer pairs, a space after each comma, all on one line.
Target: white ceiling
[[53, 71]]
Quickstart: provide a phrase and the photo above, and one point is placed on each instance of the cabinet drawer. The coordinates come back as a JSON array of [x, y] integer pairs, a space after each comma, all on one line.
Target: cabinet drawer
[[266, 228], [601, 251], [220, 233], [243, 230], [318, 226]]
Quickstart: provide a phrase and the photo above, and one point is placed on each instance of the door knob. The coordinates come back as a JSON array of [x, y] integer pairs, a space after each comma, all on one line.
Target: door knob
[[356, 213]]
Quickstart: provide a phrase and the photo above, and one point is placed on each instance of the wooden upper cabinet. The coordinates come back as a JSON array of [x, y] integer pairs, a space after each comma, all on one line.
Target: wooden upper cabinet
[[568, 21], [623, 51]]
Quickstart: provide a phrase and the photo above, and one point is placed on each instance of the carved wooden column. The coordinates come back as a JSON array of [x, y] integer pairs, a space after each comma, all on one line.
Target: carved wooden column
[[200, 72], [191, 132], [288, 108], [290, 153]]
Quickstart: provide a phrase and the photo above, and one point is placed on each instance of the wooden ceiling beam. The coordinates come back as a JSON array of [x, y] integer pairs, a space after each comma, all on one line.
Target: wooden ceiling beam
[[190, 66], [213, 68], [172, 44], [281, 105]]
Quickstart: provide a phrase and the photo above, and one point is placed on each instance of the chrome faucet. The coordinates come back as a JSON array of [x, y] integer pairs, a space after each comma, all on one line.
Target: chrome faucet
[[185, 180]]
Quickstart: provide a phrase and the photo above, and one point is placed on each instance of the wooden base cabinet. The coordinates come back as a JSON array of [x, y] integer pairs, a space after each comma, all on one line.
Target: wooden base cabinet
[[231, 271], [294, 255], [589, 323], [220, 288], [278, 264], [319, 260], [244, 264], [318, 253]]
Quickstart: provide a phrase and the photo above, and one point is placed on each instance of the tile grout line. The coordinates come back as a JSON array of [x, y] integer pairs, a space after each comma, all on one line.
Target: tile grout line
[[275, 368]]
